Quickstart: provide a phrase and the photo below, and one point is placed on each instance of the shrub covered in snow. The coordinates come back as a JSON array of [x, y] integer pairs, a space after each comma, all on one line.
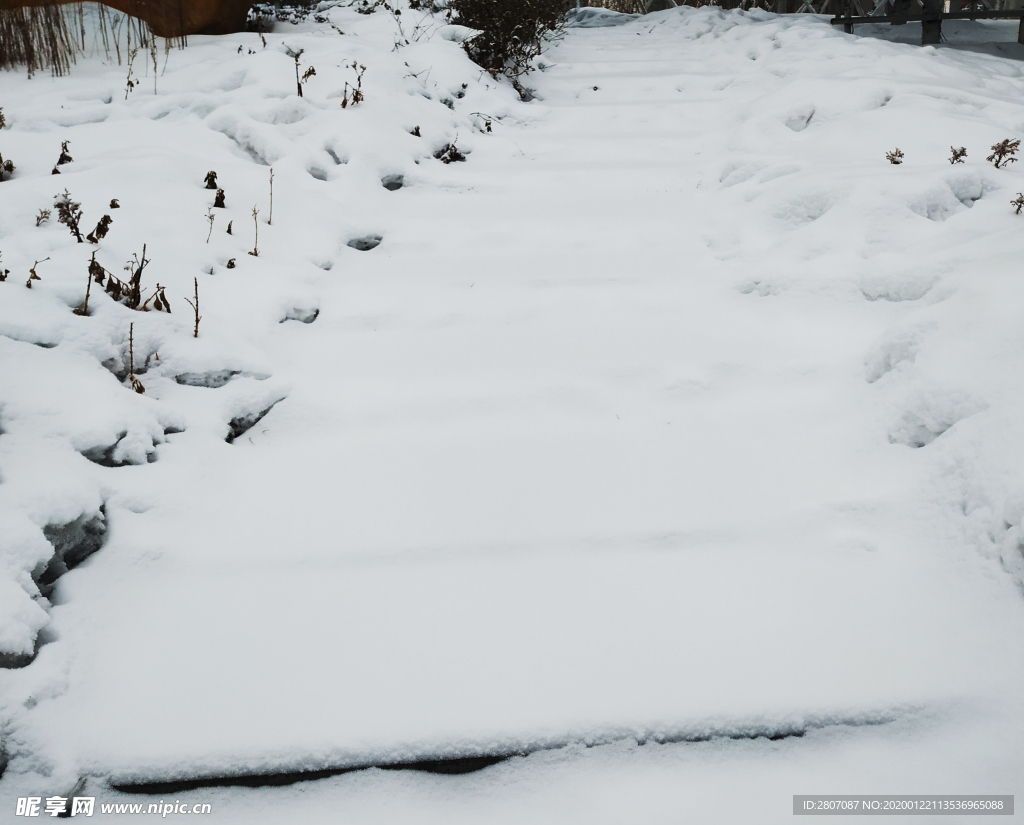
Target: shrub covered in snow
[[1003, 153], [262, 14], [512, 31]]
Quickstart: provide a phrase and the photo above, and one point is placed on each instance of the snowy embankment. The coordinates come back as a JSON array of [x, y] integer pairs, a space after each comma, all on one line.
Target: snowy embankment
[[673, 414]]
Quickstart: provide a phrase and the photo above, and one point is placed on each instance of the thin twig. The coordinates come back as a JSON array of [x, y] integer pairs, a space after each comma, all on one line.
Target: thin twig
[[32, 273], [195, 308], [256, 245], [136, 383], [84, 308]]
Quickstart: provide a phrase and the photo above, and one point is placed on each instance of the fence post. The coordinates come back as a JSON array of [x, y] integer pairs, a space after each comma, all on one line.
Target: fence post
[[931, 22]]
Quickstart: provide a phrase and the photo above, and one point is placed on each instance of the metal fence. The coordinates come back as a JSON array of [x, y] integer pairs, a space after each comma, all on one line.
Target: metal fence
[[860, 8]]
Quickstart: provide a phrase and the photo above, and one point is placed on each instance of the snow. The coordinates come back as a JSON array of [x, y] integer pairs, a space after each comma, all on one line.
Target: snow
[[673, 421]]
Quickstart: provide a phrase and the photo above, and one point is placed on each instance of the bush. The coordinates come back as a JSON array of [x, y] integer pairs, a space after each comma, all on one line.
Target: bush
[[512, 32], [262, 15]]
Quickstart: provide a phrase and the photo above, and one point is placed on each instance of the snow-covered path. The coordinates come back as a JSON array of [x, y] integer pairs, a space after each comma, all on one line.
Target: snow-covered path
[[674, 413]]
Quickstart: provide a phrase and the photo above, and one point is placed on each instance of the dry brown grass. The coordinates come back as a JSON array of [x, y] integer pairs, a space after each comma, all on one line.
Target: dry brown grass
[[52, 37]]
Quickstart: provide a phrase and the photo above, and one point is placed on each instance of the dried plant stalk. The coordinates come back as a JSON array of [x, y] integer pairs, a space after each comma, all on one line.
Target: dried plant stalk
[[195, 308]]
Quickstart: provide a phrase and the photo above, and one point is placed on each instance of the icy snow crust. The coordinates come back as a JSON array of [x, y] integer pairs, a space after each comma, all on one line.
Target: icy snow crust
[[673, 413]]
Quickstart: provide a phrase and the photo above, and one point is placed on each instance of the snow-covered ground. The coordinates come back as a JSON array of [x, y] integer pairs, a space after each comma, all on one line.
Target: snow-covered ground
[[671, 440]]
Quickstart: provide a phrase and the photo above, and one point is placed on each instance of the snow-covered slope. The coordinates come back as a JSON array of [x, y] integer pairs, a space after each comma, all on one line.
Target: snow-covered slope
[[674, 413]]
